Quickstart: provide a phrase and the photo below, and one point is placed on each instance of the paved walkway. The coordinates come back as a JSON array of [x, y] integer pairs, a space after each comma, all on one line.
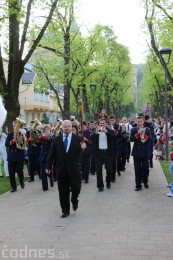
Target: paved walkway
[[117, 224]]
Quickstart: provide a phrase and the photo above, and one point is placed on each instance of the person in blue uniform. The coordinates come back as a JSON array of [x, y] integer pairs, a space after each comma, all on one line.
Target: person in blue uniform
[[141, 152], [16, 158], [45, 148], [34, 148]]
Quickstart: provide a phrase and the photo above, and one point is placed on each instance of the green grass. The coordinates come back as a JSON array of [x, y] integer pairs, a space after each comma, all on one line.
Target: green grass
[[165, 167], [5, 182]]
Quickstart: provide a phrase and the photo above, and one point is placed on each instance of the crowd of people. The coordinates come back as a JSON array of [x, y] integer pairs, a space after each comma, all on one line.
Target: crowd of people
[[72, 151]]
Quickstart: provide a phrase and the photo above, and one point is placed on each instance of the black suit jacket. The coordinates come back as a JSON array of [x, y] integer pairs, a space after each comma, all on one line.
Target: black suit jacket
[[66, 164]]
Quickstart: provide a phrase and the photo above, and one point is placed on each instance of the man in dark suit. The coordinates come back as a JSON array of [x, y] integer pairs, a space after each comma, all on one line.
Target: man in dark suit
[[141, 137], [65, 151]]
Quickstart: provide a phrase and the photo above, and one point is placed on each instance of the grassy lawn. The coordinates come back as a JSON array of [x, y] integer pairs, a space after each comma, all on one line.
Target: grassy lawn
[[165, 167], [5, 182]]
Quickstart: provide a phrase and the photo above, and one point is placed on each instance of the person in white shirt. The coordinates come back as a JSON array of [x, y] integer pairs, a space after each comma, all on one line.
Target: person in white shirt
[[3, 153], [128, 130]]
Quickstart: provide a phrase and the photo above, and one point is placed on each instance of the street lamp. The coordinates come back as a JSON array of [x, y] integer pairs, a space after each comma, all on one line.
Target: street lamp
[[151, 107], [165, 54], [93, 89]]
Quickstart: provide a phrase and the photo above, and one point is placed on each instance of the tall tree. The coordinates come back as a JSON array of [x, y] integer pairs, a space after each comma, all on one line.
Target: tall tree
[[21, 17]]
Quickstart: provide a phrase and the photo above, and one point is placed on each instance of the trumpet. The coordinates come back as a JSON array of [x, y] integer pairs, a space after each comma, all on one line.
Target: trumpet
[[141, 131]]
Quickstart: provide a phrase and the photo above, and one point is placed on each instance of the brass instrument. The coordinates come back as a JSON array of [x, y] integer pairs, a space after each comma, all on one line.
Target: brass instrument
[[19, 137], [74, 121], [141, 131], [34, 133], [57, 127]]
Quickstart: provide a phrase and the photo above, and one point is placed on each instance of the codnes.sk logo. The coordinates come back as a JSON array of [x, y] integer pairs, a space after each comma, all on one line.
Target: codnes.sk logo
[[32, 253]]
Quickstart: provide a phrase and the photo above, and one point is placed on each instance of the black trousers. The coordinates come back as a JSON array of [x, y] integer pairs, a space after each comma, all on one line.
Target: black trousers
[[86, 167], [16, 167], [128, 150], [66, 184], [141, 166], [45, 176], [34, 165], [103, 158]]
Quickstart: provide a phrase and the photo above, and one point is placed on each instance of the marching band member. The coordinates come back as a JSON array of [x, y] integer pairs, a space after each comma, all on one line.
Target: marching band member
[[141, 152], [16, 144], [34, 148], [103, 153], [45, 147]]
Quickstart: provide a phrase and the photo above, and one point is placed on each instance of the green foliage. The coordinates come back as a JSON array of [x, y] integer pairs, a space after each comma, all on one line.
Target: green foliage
[[45, 119]]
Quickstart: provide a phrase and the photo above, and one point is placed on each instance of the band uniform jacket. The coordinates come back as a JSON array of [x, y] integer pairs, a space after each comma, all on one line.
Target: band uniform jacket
[[140, 149], [65, 163], [14, 154]]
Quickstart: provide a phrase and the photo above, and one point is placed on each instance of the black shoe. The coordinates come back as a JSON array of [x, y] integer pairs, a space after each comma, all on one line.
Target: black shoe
[[92, 173], [86, 181], [64, 215], [113, 181], [22, 185], [13, 190], [119, 173], [30, 180], [54, 180], [51, 183], [138, 188], [151, 164], [146, 185], [100, 189], [128, 160], [75, 206], [108, 185]]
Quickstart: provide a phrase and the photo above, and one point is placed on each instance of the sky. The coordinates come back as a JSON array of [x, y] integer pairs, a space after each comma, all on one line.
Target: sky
[[125, 16]]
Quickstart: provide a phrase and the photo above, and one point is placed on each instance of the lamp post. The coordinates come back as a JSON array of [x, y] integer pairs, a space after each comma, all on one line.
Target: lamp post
[[151, 107], [165, 54], [93, 89]]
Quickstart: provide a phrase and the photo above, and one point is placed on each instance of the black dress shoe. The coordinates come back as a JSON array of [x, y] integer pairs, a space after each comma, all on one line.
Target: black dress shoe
[[30, 180], [138, 188], [108, 185], [119, 173], [13, 190], [64, 215], [75, 206], [100, 189], [22, 185], [146, 185], [51, 183]]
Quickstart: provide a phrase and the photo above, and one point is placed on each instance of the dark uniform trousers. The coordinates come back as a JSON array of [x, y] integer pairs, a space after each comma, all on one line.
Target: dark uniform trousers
[[103, 158], [141, 166], [16, 166], [64, 182]]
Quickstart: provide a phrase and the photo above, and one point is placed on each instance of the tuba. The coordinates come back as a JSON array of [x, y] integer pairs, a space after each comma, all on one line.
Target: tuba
[[57, 127], [19, 137], [34, 133]]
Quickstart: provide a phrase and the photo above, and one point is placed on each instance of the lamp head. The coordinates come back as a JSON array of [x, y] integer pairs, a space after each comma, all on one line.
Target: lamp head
[[165, 54]]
